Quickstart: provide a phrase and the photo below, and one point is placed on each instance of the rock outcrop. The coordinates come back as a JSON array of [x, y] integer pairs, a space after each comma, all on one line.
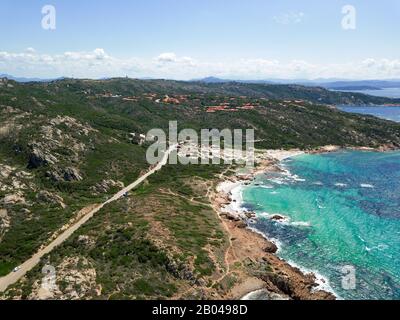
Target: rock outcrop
[[39, 158], [105, 185], [72, 174], [79, 282], [290, 281], [12, 199], [270, 247], [181, 271], [4, 222], [86, 240], [278, 217], [48, 197], [68, 174]]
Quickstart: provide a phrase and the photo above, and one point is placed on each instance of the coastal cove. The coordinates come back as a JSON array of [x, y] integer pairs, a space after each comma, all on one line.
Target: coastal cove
[[331, 211]]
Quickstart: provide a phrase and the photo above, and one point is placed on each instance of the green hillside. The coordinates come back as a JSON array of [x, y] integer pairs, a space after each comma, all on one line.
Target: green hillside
[[64, 146]]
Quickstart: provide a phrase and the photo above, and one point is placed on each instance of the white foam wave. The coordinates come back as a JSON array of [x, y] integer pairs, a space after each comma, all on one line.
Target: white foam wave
[[321, 281], [301, 224], [264, 215], [380, 247], [342, 185], [285, 221], [263, 294], [286, 176], [266, 237], [267, 187], [366, 185], [234, 190], [278, 180]]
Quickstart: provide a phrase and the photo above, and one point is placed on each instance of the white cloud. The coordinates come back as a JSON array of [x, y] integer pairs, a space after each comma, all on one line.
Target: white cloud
[[382, 65], [289, 18], [98, 63], [170, 57], [97, 54], [167, 57], [30, 50]]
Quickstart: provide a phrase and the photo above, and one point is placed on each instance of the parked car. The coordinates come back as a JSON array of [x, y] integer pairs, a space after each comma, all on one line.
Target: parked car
[[16, 269]]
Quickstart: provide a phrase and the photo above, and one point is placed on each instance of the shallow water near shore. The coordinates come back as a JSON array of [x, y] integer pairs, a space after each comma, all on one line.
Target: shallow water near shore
[[342, 209]]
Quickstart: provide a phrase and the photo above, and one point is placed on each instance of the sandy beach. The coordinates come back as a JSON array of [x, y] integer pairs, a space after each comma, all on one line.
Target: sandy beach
[[270, 277]]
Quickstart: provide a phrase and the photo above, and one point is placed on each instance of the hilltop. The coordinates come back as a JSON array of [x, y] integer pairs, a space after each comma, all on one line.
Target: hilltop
[[286, 116]]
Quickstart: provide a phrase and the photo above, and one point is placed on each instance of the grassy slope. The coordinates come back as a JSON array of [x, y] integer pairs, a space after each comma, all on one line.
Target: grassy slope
[[280, 92], [279, 126], [137, 238], [109, 155]]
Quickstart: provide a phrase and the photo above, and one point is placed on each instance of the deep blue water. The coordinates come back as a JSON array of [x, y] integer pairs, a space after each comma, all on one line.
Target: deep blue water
[[388, 113], [343, 210]]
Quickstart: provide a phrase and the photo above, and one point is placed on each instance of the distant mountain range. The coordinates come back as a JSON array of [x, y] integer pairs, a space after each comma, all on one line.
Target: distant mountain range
[[22, 79], [332, 83]]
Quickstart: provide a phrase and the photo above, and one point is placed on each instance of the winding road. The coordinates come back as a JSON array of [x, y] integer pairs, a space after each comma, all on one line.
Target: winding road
[[29, 264]]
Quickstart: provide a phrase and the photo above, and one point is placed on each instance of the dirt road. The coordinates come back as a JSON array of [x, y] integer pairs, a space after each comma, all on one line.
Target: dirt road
[[13, 277]]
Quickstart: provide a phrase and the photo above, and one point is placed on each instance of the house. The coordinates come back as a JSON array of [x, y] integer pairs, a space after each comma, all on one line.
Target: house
[[171, 100], [140, 139], [135, 99], [247, 106], [211, 109], [136, 138]]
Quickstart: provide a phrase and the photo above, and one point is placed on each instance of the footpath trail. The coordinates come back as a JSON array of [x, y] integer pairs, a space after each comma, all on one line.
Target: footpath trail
[[29, 264]]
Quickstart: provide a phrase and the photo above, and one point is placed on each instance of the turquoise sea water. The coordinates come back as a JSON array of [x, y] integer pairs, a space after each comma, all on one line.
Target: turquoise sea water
[[343, 210]]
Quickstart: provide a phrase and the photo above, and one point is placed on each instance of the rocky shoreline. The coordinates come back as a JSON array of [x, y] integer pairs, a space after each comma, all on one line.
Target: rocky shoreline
[[279, 279], [333, 148]]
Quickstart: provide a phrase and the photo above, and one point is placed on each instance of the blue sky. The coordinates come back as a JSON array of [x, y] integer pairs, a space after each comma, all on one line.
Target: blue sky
[[193, 38]]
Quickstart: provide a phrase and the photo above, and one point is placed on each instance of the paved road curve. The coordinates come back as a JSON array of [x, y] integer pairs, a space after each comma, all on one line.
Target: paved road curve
[[13, 277]]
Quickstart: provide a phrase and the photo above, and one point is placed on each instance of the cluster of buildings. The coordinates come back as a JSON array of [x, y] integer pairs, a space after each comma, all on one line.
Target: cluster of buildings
[[176, 100], [227, 108], [139, 138], [229, 105], [179, 99], [108, 95]]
